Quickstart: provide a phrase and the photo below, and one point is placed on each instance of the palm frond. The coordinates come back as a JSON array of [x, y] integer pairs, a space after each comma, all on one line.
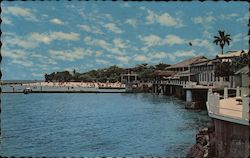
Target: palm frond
[[221, 33], [228, 42]]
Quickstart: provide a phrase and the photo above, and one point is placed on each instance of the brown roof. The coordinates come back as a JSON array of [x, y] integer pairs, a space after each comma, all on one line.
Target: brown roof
[[187, 62], [206, 62], [163, 73]]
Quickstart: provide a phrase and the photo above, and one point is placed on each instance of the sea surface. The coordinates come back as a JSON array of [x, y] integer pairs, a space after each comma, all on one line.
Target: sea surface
[[58, 125]]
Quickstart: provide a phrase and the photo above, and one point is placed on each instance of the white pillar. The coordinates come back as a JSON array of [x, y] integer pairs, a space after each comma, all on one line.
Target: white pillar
[[238, 91], [245, 107], [209, 92], [216, 103], [225, 92], [189, 96]]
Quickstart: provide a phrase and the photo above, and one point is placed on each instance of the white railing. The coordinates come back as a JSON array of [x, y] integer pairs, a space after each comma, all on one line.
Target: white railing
[[213, 104], [177, 82]]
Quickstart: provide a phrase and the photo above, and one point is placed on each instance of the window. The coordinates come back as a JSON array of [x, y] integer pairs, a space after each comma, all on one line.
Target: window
[[211, 74]]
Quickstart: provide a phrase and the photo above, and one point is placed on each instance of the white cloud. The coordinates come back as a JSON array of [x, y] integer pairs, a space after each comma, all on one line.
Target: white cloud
[[70, 55], [25, 63], [13, 53], [160, 55], [87, 28], [39, 38], [207, 34], [105, 45], [19, 41], [64, 36], [204, 20], [151, 17], [37, 74], [33, 39], [244, 19], [120, 58], [172, 40], [108, 16], [164, 19], [203, 44], [56, 21], [131, 22], [27, 58], [184, 53], [144, 49], [43, 59], [167, 20], [228, 16], [48, 37], [20, 12], [141, 58], [150, 40], [119, 43], [104, 62], [124, 59], [112, 27], [6, 21], [238, 37], [98, 53]]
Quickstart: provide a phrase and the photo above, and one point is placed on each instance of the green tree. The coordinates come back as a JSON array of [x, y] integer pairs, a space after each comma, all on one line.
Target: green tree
[[161, 66], [222, 39]]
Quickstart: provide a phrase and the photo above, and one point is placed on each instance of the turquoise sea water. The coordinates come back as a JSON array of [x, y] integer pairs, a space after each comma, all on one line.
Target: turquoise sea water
[[97, 125]]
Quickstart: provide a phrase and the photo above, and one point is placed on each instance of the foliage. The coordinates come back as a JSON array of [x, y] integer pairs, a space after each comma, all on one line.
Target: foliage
[[225, 69], [110, 74], [222, 39]]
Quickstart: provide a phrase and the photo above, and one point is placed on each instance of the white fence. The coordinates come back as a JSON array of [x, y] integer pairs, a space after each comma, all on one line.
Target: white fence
[[213, 104]]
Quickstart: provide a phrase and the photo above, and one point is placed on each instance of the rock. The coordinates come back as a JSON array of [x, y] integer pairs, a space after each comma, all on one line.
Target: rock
[[201, 140], [204, 146], [196, 151]]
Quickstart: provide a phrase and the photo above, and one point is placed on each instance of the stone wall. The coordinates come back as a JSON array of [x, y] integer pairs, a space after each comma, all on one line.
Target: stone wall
[[232, 140]]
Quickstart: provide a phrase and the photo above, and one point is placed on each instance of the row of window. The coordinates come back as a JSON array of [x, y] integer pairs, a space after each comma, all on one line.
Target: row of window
[[208, 77], [202, 68]]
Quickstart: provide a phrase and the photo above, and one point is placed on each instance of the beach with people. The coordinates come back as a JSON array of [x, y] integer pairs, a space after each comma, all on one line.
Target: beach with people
[[62, 87]]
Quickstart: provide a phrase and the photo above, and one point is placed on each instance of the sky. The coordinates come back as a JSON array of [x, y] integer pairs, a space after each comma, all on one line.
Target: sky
[[43, 37]]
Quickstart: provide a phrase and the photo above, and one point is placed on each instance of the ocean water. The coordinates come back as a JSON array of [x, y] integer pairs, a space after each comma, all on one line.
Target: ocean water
[[97, 125]]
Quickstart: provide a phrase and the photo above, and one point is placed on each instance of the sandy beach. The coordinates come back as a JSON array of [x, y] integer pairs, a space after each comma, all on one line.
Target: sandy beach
[[77, 84], [67, 87]]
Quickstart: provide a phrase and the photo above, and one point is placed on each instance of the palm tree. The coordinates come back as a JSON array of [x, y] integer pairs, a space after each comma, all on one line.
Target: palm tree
[[222, 39]]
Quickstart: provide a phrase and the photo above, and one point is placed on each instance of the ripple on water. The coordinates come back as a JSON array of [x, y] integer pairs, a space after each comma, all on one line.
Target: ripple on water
[[97, 125]]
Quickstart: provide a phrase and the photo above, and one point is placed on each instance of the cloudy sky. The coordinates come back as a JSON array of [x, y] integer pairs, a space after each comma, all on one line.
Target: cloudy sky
[[42, 37]]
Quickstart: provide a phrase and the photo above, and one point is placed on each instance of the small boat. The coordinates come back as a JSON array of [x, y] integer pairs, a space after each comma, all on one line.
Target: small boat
[[27, 90]]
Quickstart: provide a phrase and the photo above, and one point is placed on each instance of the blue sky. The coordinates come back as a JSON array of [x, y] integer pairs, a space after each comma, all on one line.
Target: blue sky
[[42, 37]]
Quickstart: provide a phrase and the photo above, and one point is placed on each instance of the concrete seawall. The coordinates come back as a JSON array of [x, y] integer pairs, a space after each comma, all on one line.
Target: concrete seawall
[[195, 98]]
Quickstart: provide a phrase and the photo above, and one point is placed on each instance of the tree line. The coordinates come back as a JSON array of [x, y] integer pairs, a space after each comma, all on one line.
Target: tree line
[[110, 74]]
